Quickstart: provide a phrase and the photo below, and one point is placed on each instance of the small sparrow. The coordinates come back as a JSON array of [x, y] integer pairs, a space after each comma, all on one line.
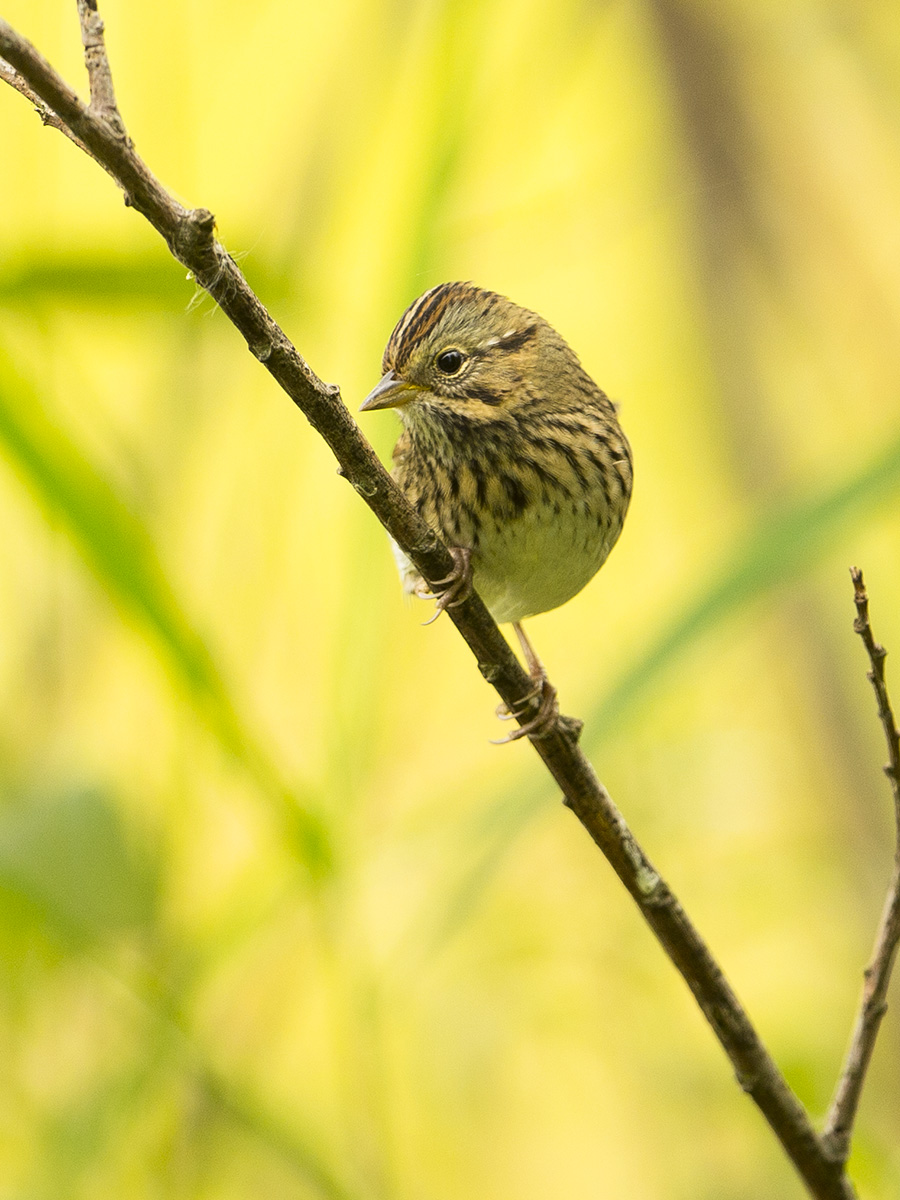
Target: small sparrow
[[510, 452]]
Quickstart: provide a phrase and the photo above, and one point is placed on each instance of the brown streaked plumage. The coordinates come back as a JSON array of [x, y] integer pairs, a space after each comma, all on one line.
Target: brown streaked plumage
[[509, 451]]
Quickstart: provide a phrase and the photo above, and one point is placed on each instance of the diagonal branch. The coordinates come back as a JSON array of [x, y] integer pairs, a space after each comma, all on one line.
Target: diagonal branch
[[48, 117], [191, 238], [877, 975]]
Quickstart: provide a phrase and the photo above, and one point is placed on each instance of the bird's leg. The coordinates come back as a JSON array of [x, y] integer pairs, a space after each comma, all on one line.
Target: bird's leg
[[545, 719], [456, 587]]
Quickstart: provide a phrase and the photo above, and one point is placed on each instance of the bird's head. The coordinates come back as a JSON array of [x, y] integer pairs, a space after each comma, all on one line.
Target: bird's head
[[471, 352]]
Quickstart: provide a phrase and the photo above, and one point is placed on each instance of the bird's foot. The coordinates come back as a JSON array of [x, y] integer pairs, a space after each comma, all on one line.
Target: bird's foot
[[455, 589], [544, 721]]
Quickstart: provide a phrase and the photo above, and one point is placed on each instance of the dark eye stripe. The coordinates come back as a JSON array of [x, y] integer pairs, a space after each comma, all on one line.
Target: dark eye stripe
[[485, 395], [515, 341]]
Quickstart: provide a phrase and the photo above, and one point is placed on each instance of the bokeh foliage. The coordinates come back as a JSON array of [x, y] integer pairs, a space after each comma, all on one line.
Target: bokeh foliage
[[275, 918]]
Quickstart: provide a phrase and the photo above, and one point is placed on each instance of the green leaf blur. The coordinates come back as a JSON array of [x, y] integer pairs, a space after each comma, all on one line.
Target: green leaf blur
[[276, 920]]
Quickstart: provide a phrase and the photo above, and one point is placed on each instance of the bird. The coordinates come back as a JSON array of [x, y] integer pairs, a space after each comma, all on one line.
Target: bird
[[511, 453]]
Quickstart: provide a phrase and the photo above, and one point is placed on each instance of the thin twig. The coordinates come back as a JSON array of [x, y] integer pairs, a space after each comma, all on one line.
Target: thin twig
[[877, 655], [48, 117], [876, 977], [190, 237], [103, 95]]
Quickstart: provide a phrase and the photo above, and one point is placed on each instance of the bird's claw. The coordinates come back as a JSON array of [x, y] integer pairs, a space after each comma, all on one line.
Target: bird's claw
[[544, 721], [505, 713], [456, 587]]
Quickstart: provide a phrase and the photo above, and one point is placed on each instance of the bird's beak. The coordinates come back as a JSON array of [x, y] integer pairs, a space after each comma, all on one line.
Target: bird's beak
[[390, 392]]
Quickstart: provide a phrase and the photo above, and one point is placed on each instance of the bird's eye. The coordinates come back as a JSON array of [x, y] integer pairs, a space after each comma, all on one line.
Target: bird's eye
[[450, 361]]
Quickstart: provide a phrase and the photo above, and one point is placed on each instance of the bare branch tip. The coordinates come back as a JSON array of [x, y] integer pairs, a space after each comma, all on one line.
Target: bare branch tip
[[872, 1006]]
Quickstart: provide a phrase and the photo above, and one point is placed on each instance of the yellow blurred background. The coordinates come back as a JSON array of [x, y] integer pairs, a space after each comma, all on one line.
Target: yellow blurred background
[[276, 919]]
